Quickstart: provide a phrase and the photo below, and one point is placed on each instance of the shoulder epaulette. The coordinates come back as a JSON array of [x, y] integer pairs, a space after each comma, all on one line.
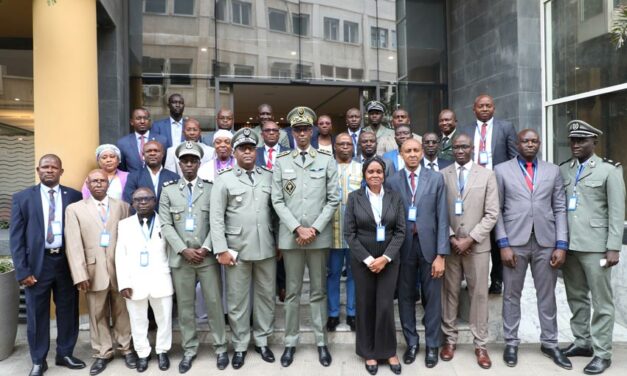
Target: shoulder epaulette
[[207, 181], [566, 161], [283, 153], [169, 182], [264, 167], [220, 172], [325, 152], [616, 164]]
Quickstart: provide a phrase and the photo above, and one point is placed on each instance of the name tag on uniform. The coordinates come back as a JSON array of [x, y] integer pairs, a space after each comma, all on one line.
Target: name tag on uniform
[[459, 207], [572, 203], [189, 224], [483, 157], [105, 237], [56, 228], [411, 214], [143, 258], [380, 233]]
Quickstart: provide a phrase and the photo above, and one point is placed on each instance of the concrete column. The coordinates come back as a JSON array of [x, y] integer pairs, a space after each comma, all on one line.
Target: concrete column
[[65, 76]]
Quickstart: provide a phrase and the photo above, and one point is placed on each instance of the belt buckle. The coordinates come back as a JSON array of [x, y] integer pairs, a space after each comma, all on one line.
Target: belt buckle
[[54, 251]]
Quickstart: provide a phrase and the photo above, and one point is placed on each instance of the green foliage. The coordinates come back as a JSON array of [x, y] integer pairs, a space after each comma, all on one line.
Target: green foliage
[[618, 33], [6, 265]]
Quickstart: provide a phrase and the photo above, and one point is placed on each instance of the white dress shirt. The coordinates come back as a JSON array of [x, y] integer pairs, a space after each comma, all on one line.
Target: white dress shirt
[[376, 203], [139, 142], [155, 179], [488, 141], [176, 129], [266, 152], [436, 166]]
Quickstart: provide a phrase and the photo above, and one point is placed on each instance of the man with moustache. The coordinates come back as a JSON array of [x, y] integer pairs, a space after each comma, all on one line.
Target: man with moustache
[[431, 144], [531, 230], [353, 125], [473, 207], [243, 224], [90, 238], [184, 216], [132, 145], [368, 145], [388, 143], [267, 153], [172, 127], [264, 113], [447, 123], [424, 250], [191, 132], [225, 119], [39, 257]]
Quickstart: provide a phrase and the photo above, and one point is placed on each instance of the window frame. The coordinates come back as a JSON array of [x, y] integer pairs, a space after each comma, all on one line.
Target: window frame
[[279, 12]]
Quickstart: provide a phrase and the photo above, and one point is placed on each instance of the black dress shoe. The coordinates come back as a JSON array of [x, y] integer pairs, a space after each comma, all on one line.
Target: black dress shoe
[[372, 368], [238, 359], [597, 366], [431, 357], [350, 321], [38, 369], [410, 354], [70, 362], [130, 360], [324, 356], [510, 355], [496, 287], [164, 361], [186, 363], [142, 364], [288, 356], [574, 350], [558, 356], [396, 368], [332, 323], [99, 366], [266, 354], [223, 360]]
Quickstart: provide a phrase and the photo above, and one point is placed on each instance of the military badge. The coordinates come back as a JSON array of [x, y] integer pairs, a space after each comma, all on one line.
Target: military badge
[[289, 187]]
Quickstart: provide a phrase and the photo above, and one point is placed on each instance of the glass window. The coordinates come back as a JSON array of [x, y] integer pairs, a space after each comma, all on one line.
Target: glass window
[[155, 6], [241, 13], [393, 38], [184, 7], [378, 37], [153, 69], [180, 70], [221, 10], [281, 70], [326, 71], [331, 28], [278, 20], [357, 74], [221, 69], [304, 71], [351, 32], [243, 70], [341, 73], [300, 24]]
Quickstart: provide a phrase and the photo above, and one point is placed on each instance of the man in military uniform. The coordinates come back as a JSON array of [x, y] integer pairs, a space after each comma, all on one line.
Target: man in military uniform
[[595, 197], [243, 224], [184, 216], [376, 112], [305, 197]]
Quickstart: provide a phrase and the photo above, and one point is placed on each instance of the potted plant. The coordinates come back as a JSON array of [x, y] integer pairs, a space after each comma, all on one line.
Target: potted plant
[[9, 307]]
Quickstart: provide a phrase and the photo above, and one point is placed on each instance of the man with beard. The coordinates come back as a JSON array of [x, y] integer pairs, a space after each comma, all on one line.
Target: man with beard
[[172, 127]]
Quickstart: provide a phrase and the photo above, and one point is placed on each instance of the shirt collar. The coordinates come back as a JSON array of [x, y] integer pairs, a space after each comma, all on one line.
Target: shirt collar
[[435, 161], [417, 172], [149, 221], [276, 147], [489, 122], [371, 194], [172, 121], [104, 201], [451, 135], [193, 181], [467, 166], [45, 188], [138, 135], [524, 161]]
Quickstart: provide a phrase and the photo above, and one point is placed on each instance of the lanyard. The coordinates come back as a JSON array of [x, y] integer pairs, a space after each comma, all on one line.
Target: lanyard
[[105, 218], [483, 139], [578, 175], [524, 170], [413, 191], [190, 196]]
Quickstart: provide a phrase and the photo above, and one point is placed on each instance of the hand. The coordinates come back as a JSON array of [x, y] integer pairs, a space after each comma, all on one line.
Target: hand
[[454, 245], [127, 293], [612, 258], [306, 234], [192, 256], [558, 257], [28, 281], [464, 245], [83, 286], [225, 258], [378, 264], [508, 257], [438, 266]]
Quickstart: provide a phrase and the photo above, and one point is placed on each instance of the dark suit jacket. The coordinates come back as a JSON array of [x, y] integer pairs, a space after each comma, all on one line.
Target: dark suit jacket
[[130, 154], [260, 160], [442, 163], [503, 140], [162, 127], [27, 228], [432, 212], [142, 178], [360, 229]]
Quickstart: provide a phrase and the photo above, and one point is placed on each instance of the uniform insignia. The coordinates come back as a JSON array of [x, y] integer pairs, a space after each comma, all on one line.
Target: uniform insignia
[[177, 217], [313, 153], [247, 132], [607, 160], [295, 153], [221, 171], [258, 169], [575, 126], [301, 111], [289, 187], [169, 182], [593, 164], [283, 153], [566, 161], [264, 167], [189, 145], [239, 199], [326, 152], [206, 181]]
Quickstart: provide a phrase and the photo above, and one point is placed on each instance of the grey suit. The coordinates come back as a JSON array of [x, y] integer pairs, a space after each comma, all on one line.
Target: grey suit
[[533, 223]]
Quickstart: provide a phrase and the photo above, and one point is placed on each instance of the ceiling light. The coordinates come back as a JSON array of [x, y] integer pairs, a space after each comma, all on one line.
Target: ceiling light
[[250, 118]]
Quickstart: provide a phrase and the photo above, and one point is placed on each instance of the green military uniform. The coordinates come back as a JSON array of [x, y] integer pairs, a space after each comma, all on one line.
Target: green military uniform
[[175, 212], [244, 223], [446, 147], [304, 193], [284, 140], [382, 131], [596, 210]]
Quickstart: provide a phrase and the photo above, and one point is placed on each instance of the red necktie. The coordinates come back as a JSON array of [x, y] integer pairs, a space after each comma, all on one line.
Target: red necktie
[[412, 182], [482, 142], [269, 162], [529, 176]]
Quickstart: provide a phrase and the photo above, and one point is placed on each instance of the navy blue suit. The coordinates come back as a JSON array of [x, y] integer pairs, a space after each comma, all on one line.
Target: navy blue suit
[[419, 250], [142, 179], [52, 272], [163, 127], [131, 161]]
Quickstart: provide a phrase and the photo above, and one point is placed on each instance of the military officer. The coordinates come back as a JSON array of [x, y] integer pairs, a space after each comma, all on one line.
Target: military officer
[[305, 197], [243, 224], [595, 197], [184, 216]]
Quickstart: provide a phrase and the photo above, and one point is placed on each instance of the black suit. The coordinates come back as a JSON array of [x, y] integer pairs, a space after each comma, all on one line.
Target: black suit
[[27, 239], [376, 331], [142, 179]]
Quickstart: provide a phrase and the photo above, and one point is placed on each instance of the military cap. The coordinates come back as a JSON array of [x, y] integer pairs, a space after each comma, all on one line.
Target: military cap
[[375, 106], [189, 148], [581, 129], [301, 116], [243, 137]]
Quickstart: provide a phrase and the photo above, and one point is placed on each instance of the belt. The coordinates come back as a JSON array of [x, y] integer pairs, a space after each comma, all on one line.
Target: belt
[[54, 251]]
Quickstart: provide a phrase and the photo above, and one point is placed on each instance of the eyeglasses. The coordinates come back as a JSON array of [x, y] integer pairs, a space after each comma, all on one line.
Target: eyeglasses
[[141, 200], [344, 143], [430, 142], [461, 147]]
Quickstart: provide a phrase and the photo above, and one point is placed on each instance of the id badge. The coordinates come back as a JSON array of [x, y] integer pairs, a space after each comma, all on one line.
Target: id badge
[[483, 157], [143, 258], [189, 224], [572, 203], [56, 228], [380, 233], [104, 239], [459, 207], [411, 215]]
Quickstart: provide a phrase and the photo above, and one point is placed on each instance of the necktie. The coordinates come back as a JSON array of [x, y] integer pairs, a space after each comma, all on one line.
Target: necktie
[[142, 142], [51, 211], [482, 142], [189, 186], [444, 141], [460, 180], [250, 176], [431, 165], [354, 136], [145, 227], [529, 176], [269, 162], [303, 154], [103, 212]]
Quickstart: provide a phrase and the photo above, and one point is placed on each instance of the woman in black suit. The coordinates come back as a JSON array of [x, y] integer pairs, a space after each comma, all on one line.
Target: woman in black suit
[[375, 229]]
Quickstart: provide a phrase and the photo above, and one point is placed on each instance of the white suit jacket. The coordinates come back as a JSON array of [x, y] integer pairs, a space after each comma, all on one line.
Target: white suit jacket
[[153, 280]]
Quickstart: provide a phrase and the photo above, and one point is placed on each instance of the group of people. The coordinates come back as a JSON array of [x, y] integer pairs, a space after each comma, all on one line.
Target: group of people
[[232, 219]]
